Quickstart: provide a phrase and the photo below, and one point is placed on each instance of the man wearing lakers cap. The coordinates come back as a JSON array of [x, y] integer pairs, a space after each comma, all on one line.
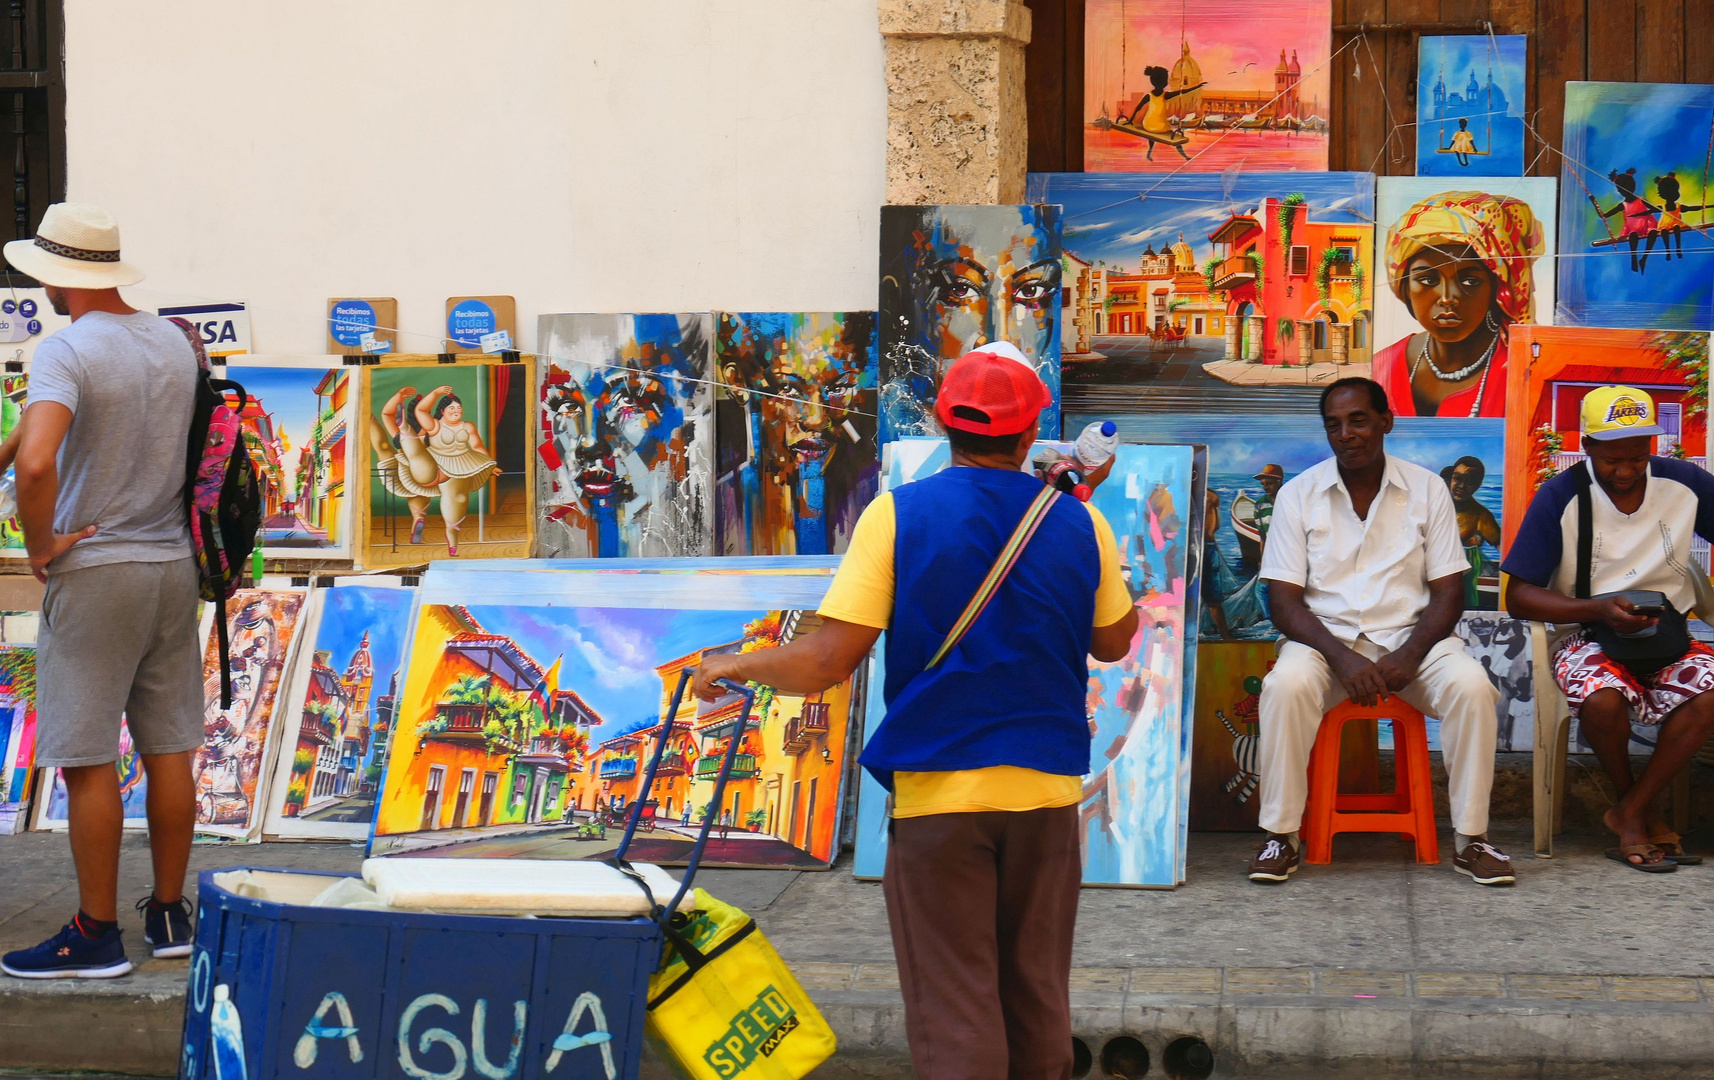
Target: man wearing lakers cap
[[1630, 575], [984, 744]]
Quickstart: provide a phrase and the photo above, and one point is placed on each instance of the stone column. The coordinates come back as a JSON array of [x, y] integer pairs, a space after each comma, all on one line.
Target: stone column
[[1258, 327], [1338, 334], [1305, 341], [956, 129], [1231, 338]]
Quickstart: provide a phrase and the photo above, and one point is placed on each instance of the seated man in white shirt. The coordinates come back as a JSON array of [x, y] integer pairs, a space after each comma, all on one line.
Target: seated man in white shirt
[[1644, 512], [1365, 569]]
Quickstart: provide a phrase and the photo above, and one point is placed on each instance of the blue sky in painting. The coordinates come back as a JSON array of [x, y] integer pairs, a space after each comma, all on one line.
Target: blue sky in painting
[[610, 654], [1652, 128], [1114, 216], [287, 393], [1498, 129], [347, 613]]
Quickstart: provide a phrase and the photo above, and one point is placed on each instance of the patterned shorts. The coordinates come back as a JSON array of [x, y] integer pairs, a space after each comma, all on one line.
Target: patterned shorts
[[1581, 668]]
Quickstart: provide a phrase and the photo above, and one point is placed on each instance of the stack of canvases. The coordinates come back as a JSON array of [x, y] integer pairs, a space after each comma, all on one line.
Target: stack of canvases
[[1200, 286]]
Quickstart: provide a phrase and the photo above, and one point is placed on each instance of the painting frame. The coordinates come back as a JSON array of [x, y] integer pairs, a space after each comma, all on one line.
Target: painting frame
[[340, 443], [396, 550], [624, 453], [1603, 356]]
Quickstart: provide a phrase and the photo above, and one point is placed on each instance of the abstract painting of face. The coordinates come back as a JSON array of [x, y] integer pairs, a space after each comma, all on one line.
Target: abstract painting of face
[[624, 436], [797, 455], [957, 277]]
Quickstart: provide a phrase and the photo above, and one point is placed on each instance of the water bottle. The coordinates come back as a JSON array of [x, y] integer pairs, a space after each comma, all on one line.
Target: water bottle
[[1098, 442], [228, 1036], [8, 496]]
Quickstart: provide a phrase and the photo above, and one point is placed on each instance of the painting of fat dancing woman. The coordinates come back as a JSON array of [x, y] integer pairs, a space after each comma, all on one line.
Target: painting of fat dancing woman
[[797, 453], [1248, 465], [526, 732], [954, 278], [624, 436], [446, 465]]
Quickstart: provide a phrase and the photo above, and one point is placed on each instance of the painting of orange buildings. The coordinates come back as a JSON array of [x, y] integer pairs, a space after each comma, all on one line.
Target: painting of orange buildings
[[455, 769], [475, 745]]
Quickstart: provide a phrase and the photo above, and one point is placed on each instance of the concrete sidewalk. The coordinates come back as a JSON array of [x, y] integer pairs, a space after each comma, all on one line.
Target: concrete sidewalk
[[1372, 967]]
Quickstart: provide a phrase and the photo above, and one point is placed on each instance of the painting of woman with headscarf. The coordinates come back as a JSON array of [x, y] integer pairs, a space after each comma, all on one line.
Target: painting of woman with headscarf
[[1461, 268]]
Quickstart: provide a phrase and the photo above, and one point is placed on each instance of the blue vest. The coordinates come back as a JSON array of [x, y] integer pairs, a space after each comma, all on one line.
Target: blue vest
[[1013, 690]]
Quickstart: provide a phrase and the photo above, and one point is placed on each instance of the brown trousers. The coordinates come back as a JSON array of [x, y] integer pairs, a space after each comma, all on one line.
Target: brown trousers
[[982, 908]]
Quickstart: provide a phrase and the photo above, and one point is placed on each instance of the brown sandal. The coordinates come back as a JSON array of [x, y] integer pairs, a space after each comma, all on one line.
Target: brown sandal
[[1672, 846], [1654, 861]]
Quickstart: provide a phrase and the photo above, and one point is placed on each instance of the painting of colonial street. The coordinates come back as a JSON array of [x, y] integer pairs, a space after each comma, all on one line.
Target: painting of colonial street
[[526, 732]]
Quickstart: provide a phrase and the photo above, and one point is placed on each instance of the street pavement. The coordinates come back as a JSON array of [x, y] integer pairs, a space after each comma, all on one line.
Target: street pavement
[[1373, 966]]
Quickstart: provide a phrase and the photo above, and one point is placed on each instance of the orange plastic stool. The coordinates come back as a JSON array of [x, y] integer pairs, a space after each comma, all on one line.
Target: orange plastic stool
[[1408, 811]]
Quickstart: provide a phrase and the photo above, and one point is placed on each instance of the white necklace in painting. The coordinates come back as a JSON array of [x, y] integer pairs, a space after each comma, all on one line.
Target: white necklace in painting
[[1462, 373]]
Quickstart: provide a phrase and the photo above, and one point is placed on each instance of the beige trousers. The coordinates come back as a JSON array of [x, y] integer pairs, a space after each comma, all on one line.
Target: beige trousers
[[1451, 686]]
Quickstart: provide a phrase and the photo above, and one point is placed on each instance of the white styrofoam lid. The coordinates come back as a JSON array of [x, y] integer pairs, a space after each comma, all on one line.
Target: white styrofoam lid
[[516, 886]]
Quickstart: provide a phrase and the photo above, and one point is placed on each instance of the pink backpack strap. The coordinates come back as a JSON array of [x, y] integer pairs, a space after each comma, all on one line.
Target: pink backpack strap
[[195, 339]]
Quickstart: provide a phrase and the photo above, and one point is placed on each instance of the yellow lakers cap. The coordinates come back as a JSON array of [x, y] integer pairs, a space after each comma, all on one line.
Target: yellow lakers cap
[[1618, 412]]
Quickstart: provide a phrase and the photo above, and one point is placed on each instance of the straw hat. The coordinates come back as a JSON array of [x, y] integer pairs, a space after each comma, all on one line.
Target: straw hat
[[76, 247]]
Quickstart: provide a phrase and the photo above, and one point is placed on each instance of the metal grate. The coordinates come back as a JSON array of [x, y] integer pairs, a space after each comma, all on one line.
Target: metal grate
[[32, 111]]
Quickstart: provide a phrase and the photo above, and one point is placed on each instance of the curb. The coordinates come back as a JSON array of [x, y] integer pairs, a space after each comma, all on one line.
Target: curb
[[133, 1026]]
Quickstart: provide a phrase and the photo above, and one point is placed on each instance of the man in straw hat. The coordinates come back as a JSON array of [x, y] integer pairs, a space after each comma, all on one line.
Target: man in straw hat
[[1629, 576], [985, 743], [100, 463]]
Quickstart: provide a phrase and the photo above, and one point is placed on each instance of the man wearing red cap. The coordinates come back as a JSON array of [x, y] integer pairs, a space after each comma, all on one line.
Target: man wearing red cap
[[985, 742]]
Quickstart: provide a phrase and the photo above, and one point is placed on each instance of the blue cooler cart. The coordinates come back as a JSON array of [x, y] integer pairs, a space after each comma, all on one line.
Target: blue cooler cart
[[287, 990]]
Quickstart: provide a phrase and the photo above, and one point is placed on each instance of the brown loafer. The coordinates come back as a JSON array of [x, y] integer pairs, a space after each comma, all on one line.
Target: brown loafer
[[1484, 864], [1275, 861]]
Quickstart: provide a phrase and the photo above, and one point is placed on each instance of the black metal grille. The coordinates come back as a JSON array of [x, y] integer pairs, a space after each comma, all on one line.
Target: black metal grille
[[32, 112]]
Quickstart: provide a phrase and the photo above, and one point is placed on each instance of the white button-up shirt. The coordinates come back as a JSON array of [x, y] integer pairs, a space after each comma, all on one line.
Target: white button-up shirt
[[1365, 577]]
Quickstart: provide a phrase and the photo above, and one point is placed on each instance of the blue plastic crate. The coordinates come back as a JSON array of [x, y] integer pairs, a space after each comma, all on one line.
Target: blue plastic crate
[[339, 994]]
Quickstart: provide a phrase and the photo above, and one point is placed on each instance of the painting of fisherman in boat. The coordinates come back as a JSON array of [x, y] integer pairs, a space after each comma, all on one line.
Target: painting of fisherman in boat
[[1248, 464], [1248, 85]]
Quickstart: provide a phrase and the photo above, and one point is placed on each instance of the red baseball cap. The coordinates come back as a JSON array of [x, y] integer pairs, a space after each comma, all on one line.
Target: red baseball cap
[[994, 389]]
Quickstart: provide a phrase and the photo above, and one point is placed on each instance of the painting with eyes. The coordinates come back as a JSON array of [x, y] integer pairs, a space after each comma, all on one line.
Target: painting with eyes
[[1462, 266], [624, 436], [1634, 203], [1201, 292], [954, 278], [797, 457]]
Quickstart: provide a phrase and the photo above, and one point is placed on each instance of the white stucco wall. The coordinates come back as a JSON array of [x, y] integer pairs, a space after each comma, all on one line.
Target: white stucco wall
[[581, 155]]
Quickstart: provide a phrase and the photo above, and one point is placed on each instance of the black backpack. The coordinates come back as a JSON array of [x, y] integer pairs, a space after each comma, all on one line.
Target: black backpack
[[222, 496]]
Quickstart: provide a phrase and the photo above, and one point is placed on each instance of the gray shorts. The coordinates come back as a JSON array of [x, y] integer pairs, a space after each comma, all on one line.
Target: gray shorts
[[120, 638]]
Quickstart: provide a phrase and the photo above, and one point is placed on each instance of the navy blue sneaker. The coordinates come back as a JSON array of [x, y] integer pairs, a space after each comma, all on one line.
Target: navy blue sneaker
[[166, 926], [70, 955]]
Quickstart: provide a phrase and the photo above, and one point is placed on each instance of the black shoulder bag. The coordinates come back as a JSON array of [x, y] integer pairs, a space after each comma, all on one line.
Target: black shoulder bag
[[1646, 651]]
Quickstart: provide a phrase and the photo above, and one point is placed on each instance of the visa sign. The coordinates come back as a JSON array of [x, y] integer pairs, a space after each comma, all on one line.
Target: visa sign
[[225, 328]]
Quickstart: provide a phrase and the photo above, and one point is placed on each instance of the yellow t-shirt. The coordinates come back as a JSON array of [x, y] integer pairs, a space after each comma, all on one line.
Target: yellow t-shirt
[[862, 593]]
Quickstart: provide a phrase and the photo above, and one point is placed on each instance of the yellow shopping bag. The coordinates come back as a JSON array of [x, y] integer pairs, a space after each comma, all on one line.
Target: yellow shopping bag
[[724, 1006]]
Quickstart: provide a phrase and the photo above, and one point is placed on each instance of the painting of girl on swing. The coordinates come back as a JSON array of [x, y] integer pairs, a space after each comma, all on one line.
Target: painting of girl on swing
[[1639, 162]]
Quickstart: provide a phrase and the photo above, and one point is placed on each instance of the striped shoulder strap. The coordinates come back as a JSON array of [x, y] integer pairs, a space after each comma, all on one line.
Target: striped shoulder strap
[[1008, 558]]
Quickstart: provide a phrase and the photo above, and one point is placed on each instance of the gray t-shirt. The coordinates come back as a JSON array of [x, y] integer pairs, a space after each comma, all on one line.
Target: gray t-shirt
[[130, 383]]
